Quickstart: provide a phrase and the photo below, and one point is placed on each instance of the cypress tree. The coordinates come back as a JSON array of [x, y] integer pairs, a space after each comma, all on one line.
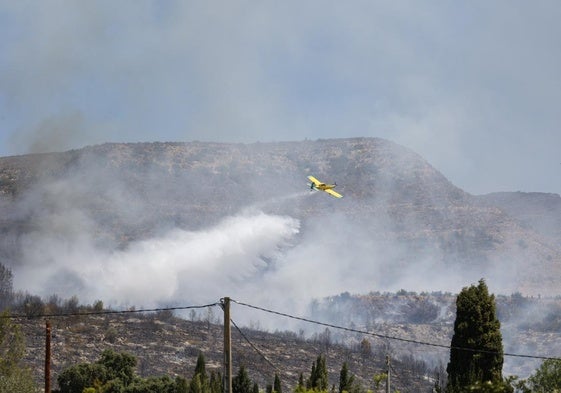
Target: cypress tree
[[200, 367], [476, 353], [277, 384], [200, 373], [216, 382], [343, 378], [195, 386], [241, 383], [301, 386], [310, 381], [318, 377], [346, 380]]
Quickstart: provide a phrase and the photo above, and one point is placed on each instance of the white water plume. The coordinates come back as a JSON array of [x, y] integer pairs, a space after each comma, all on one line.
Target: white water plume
[[182, 265]]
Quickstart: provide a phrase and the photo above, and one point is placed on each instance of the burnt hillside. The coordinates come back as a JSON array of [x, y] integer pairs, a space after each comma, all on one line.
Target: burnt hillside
[[399, 324], [166, 345], [396, 206]]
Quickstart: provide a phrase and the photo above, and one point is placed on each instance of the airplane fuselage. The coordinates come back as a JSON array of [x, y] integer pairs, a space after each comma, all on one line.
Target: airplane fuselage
[[329, 188], [323, 186]]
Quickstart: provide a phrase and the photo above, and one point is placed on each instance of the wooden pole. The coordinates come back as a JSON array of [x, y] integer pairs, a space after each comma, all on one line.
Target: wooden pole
[[227, 346], [48, 357], [388, 378]]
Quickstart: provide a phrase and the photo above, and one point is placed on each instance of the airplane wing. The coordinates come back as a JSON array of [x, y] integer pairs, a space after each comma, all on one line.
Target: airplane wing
[[314, 180], [333, 193]]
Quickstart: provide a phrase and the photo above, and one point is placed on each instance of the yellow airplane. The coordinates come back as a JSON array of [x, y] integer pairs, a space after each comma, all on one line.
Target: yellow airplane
[[329, 188]]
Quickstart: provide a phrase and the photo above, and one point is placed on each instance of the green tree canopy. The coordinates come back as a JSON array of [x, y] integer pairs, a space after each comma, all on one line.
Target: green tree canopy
[[318, 377], [81, 376], [14, 377], [277, 386], [216, 383], [118, 365], [114, 373], [241, 383], [547, 378], [200, 382], [347, 381], [476, 353], [6, 287], [196, 386]]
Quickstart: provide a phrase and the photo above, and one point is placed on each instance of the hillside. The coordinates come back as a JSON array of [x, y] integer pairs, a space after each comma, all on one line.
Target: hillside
[[159, 224], [401, 224], [539, 211], [166, 345], [403, 325]]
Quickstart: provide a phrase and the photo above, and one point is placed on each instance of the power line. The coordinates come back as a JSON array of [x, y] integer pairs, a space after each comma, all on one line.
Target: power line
[[383, 336], [104, 312], [254, 346], [373, 334], [276, 368]]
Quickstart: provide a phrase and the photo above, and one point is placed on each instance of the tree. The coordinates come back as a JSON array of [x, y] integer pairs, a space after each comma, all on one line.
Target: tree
[[98, 306], [476, 353], [345, 380], [200, 382], [200, 368], [71, 305], [318, 377], [14, 377], [216, 385], [277, 387], [6, 287], [163, 384], [300, 387], [181, 385], [547, 378], [33, 305], [241, 383], [325, 339], [379, 378], [119, 365], [195, 386], [114, 373], [82, 376], [365, 348]]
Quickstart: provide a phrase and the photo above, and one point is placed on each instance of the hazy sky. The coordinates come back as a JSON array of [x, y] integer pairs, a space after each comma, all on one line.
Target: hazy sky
[[474, 87]]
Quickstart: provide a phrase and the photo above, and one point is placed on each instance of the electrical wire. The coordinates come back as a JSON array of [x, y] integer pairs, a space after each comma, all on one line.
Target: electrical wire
[[256, 349], [307, 320], [254, 346], [103, 312], [383, 336]]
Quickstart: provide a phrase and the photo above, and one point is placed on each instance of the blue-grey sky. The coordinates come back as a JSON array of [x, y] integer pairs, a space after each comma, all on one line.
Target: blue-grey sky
[[474, 87]]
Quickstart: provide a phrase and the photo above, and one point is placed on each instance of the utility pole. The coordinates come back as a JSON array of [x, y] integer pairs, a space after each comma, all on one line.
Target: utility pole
[[48, 357], [388, 374], [227, 347]]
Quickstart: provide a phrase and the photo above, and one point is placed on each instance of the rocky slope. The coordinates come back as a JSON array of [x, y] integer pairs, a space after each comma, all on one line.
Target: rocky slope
[[121, 193], [414, 329], [401, 224], [165, 345]]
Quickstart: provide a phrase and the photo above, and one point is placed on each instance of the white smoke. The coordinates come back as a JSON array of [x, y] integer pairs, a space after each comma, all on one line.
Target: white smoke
[[179, 266], [251, 255]]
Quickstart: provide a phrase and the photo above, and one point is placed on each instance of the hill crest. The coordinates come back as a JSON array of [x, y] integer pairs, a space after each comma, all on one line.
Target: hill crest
[[400, 217]]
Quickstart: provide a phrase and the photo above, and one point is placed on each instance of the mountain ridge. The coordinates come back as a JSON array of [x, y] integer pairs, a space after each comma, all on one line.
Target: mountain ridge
[[124, 193]]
